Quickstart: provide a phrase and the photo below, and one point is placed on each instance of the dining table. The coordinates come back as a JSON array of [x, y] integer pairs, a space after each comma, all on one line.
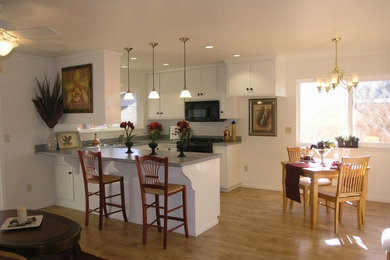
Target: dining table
[[316, 171]]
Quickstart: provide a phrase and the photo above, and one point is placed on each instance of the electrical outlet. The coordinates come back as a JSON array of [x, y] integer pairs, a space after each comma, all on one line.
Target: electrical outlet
[[245, 168], [29, 187]]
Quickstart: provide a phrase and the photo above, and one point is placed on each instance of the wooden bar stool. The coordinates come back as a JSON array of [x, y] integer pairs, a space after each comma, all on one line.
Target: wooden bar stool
[[148, 168], [89, 161]]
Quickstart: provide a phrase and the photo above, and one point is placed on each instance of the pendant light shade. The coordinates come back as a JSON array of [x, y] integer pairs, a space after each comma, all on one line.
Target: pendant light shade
[[7, 42], [153, 94], [128, 95], [185, 93]]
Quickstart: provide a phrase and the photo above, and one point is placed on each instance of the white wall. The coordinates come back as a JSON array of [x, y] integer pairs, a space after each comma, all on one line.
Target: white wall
[[262, 155], [20, 165]]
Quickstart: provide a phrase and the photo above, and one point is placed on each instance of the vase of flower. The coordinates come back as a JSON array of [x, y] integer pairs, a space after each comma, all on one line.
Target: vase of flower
[[51, 141], [129, 145], [153, 146], [181, 147], [154, 130], [184, 131], [129, 127]]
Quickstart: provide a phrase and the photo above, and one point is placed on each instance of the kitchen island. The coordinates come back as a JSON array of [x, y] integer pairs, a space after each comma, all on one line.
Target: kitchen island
[[198, 171]]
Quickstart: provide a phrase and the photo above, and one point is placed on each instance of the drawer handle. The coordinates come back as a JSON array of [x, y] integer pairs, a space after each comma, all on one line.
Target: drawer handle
[[69, 172]]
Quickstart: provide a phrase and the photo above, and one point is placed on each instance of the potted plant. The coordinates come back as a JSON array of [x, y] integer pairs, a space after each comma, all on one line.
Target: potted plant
[[354, 141], [49, 104], [184, 131], [129, 127], [340, 141]]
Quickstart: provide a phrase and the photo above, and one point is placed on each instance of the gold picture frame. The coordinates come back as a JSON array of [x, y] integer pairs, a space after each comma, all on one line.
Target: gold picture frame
[[69, 139], [262, 116], [77, 89]]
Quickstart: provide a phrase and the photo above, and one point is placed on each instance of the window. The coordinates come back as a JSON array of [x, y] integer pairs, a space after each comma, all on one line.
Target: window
[[363, 112], [129, 109]]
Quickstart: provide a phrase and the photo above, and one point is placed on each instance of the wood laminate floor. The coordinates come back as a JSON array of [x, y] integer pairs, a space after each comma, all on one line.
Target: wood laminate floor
[[251, 226]]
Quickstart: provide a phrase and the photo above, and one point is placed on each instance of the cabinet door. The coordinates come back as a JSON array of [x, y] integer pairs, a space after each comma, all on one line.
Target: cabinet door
[[64, 183], [153, 104], [261, 78], [193, 83], [228, 106], [223, 170], [209, 83], [238, 79], [171, 84]]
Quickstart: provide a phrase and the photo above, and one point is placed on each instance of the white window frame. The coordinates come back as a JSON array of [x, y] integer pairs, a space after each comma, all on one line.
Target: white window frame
[[350, 104]]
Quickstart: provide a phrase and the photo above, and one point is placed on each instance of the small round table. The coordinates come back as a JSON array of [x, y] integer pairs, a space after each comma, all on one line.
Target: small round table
[[55, 234]]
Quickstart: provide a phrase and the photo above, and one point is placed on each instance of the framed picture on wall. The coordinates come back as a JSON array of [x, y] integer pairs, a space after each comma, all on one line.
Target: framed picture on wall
[[262, 116], [70, 139], [77, 89]]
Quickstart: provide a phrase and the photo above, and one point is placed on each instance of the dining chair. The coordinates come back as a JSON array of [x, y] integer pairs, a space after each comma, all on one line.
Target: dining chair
[[294, 155], [153, 180], [91, 166], [350, 187]]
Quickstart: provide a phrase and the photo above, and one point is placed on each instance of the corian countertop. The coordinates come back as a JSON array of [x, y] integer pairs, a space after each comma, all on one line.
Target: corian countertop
[[116, 153]]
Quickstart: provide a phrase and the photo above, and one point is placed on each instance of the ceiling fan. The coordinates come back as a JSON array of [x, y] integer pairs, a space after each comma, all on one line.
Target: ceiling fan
[[30, 39]]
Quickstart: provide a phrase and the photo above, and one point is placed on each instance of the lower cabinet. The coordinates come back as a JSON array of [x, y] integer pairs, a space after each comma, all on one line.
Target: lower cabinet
[[230, 177]]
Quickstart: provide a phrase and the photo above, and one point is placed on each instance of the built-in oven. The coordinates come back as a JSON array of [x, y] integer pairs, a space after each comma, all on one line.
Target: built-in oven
[[202, 111]]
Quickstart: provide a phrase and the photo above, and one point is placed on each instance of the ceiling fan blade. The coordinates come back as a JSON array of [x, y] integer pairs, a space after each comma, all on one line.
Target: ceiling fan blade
[[41, 45], [37, 32]]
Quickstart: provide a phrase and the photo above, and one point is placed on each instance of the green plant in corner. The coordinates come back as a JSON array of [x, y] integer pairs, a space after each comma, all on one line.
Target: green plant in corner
[[49, 105]]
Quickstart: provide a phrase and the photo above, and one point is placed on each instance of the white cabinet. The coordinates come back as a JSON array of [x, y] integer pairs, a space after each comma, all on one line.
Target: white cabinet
[[64, 183], [228, 106], [230, 177], [263, 77], [203, 83], [169, 105]]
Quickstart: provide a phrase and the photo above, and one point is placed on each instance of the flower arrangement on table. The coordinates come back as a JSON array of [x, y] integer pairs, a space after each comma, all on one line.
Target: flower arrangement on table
[[322, 148], [154, 130], [129, 127], [184, 131]]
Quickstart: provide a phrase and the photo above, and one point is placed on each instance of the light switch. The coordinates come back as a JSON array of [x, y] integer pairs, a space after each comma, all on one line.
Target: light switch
[[288, 130], [7, 138]]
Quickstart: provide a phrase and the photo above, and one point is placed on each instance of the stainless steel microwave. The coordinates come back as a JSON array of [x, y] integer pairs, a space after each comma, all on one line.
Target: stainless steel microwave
[[202, 111]]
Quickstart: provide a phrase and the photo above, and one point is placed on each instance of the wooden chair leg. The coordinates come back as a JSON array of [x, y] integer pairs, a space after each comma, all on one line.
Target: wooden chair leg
[[157, 200], [291, 204], [388, 255], [305, 200], [285, 202], [144, 218], [341, 211], [359, 214], [184, 200], [327, 203], [102, 206], [123, 205], [103, 202], [336, 216]]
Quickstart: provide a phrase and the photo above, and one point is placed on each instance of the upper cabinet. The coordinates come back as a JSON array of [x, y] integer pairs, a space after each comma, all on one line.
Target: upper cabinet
[[203, 83], [261, 77]]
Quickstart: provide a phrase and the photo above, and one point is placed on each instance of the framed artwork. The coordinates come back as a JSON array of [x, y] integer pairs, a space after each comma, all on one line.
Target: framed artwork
[[70, 139], [77, 89], [262, 116]]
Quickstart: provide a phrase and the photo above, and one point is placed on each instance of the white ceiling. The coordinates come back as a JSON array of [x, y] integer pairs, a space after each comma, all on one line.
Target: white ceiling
[[251, 28]]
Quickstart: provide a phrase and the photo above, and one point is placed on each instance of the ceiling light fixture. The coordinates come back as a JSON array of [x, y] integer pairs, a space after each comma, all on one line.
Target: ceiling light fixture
[[153, 94], [133, 58], [236, 55], [128, 95], [336, 77], [7, 42], [209, 47], [165, 64], [185, 93]]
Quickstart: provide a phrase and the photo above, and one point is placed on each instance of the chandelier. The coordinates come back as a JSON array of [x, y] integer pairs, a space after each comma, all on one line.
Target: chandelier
[[336, 77]]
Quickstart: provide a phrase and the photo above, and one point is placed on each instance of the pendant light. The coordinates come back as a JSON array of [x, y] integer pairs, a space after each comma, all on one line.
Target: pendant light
[[128, 95], [185, 93], [153, 94]]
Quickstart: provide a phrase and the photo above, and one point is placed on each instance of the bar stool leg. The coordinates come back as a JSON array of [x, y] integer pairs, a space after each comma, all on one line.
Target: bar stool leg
[[144, 218], [123, 200], [184, 198], [165, 221], [86, 208], [157, 200]]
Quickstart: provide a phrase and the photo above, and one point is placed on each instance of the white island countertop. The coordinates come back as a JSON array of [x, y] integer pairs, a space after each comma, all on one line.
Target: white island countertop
[[116, 153]]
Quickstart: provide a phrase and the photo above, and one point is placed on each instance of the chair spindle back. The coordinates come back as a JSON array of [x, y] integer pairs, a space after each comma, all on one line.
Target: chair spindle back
[[148, 168], [351, 177], [294, 154]]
